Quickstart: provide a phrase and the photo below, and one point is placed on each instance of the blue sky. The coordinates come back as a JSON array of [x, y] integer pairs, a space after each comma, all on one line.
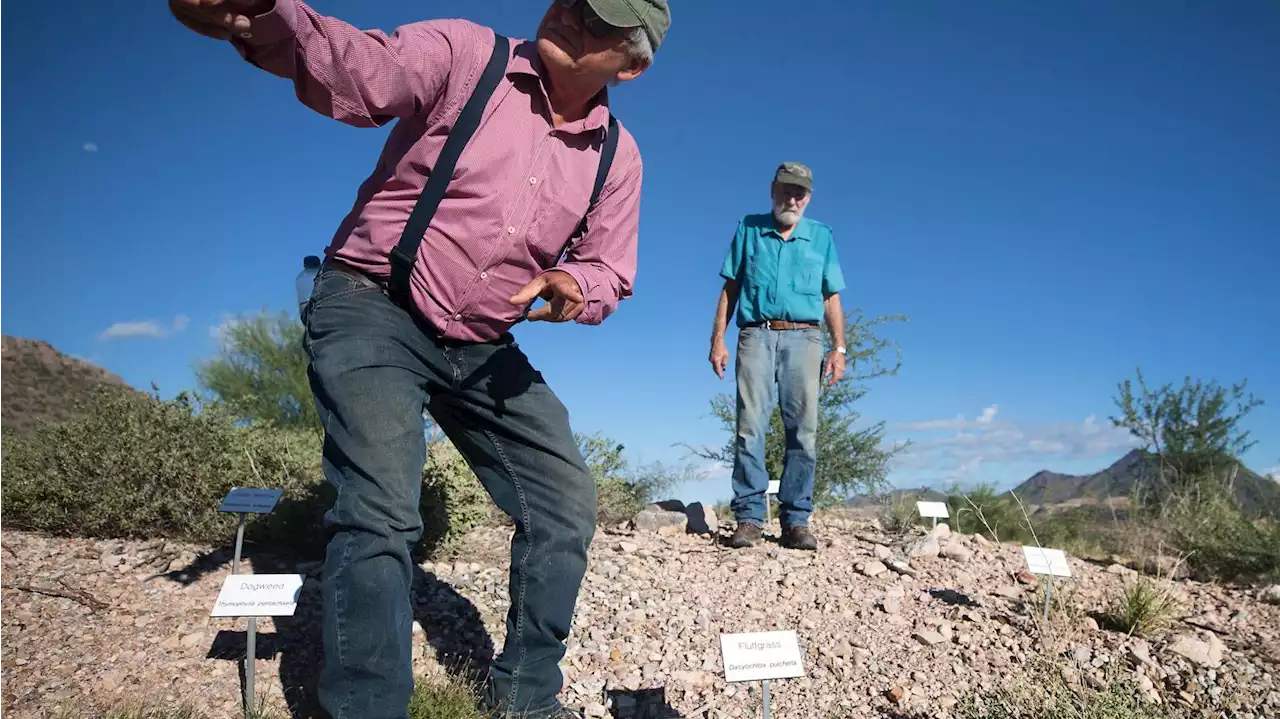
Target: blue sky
[[1053, 193]]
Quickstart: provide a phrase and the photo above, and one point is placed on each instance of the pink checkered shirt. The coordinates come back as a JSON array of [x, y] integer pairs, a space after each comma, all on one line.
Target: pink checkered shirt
[[520, 187]]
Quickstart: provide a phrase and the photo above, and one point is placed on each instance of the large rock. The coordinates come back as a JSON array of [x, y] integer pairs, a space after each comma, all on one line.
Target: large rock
[[954, 549], [1270, 595], [872, 568], [924, 547], [662, 521], [1206, 653], [702, 519], [941, 532]]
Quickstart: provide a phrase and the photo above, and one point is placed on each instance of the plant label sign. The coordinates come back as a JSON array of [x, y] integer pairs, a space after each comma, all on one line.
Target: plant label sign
[[937, 510], [250, 500], [258, 595], [774, 486], [761, 655], [1052, 562]]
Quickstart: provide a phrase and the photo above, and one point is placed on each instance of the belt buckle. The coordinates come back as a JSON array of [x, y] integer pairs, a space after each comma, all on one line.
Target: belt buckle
[[768, 324]]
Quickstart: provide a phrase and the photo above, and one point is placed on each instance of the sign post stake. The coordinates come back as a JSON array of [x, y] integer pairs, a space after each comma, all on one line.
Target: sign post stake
[[765, 684], [1048, 597], [243, 501]]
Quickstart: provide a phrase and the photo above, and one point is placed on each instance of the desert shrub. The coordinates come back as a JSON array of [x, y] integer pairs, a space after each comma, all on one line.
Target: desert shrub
[[1221, 543], [453, 499], [132, 466], [1143, 607], [897, 517], [623, 490], [982, 510], [1044, 694]]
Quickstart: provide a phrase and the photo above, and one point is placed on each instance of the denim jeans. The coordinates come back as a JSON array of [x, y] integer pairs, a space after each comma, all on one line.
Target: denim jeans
[[791, 362], [372, 369]]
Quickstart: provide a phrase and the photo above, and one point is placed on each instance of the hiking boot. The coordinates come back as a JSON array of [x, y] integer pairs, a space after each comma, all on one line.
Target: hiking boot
[[746, 535], [798, 537]]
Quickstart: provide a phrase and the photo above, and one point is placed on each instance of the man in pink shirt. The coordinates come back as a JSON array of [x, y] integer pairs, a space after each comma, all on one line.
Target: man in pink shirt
[[504, 180]]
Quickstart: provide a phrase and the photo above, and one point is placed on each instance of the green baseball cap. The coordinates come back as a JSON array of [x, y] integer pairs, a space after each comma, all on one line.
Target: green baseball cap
[[793, 173], [652, 15]]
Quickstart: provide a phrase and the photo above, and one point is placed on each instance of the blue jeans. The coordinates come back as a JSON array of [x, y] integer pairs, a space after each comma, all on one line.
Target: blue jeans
[[372, 370], [791, 361]]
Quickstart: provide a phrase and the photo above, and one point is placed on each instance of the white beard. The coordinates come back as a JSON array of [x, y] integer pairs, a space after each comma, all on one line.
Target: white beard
[[787, 218]]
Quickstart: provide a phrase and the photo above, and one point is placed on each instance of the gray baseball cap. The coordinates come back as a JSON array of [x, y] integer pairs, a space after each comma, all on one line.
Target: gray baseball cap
[[653, 15], [793, 173]]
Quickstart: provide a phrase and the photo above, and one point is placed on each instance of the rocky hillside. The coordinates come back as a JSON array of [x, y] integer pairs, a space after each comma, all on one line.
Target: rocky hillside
[[1254, 493], [887, 627], [40, 384]]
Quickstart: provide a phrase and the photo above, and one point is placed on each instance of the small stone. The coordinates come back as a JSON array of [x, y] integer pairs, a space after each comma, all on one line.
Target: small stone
[[1089, 624], [929, 638], [981, 541], [901, 567], [1270, 595], [628, 547], [941, 532], [872, 569], [896, 694], [1027, 578], [881, 552], [192, 640], [1010, 592], [891, 605]]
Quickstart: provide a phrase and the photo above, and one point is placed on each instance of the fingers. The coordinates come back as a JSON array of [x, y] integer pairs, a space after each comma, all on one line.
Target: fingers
[[557, 311], [529, 292]]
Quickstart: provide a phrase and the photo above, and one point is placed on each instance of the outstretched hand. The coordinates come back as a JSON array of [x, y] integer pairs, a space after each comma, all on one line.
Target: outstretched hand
[[560, 290], [218, 19]]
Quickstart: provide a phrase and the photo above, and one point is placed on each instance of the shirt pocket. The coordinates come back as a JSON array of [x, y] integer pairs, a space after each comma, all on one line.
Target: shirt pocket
[[807, 279], [555, 219]]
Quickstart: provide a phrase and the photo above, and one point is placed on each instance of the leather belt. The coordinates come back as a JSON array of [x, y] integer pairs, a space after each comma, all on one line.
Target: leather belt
[[346, 269], [784, 325]]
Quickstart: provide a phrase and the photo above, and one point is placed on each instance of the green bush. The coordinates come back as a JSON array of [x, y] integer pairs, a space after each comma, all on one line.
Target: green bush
[[135, 467], [1223, 544], [453, 500]]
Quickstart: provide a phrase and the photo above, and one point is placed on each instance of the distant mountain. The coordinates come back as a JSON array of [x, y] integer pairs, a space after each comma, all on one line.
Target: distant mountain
[[1254, 493], [40, 384]]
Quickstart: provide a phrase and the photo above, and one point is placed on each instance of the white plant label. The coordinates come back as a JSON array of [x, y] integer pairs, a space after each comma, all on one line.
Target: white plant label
[[754, 656], [250, 500], [932, 509], [1047, 561], [258, 595], [774, 486]]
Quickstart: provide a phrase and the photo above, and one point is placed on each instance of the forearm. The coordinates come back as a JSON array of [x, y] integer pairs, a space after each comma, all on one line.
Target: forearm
[[724, 310], [834, 315], [363, 78]]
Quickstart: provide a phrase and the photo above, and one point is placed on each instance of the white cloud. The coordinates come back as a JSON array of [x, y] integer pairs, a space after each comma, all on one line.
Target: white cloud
[[124, 330], [90, 147], [144, 328], [987, 441]]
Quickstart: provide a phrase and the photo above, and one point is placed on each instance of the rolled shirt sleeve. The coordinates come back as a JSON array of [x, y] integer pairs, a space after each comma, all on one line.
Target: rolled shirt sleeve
[[731, 268]]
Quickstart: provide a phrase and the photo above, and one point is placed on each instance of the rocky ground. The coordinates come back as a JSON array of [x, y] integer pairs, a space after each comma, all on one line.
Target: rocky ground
[[888, 627]]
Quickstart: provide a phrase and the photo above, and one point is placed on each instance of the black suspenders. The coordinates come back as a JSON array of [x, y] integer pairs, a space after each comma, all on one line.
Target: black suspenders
[[405, 253]]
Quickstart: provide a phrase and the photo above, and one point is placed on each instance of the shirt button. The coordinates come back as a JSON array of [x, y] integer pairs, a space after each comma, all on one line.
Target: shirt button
[[246, 35], [484, 275], [457, 317], [533, 180], [511, 230]]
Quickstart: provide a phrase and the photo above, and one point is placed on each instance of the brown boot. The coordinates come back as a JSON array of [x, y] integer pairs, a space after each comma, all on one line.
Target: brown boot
[[798, 538], [745, 535]]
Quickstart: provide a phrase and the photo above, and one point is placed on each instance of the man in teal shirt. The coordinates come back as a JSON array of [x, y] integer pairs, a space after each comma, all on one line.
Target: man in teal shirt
[[783, 275]]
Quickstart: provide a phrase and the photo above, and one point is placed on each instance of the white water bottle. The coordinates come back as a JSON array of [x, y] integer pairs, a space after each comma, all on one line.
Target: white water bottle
[[306, 280]]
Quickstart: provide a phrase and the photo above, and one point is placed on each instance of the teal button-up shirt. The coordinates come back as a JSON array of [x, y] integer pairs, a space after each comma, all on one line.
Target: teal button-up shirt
[[782, 279]]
